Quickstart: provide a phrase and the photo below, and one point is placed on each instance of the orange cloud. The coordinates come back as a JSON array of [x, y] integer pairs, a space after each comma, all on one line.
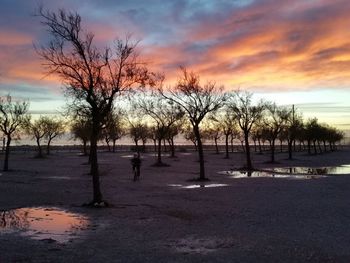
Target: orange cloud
[[264, 45], [266, 50]]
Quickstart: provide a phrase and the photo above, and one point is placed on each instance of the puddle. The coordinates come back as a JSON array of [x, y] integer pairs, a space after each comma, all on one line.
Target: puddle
[[42, 223], [129, 156], [262, 174], [202, 246], [342, 169], [156, 154], [192, 186]]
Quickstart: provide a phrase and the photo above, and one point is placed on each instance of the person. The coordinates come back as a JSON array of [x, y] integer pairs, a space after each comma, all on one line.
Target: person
[[136, 163]]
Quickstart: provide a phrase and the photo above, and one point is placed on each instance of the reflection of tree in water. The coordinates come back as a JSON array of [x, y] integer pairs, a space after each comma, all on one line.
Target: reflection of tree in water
[[14, 219], [317, 171]]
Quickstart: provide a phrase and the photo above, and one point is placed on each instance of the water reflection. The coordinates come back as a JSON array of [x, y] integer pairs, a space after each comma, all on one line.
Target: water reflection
[[263, 174], [43, 223], [127, 156], [197, 185], [342, 169]]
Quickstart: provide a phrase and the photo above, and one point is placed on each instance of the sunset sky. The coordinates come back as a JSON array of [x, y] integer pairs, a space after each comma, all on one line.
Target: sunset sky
[[290, 52]]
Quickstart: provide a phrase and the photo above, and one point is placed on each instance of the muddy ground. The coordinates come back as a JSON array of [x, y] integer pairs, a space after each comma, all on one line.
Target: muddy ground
[[157, 220]]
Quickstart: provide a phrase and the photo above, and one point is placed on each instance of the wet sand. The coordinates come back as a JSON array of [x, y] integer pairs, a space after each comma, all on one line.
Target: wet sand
[[163, 218]]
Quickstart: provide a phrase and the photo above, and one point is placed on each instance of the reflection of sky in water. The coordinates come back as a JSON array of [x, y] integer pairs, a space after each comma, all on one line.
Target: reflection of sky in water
[[291, 172], [259, 174], [342, 169], [127, 156], [43, 223]]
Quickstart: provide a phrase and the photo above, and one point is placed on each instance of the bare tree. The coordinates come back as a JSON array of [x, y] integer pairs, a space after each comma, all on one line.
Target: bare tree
[[37, 129], [172, 132], [152, 134], [114, 129], [188, 134], [256, 137], [54, 128], [334, 135], [81, 129], [197, 101], [164, 113], [316, 132], [293, 128], [13, 115], [275, 121], [226, 121], [213, 133], [138, 131], [312, 128], [247, 114], [93, 77], [282, 136]]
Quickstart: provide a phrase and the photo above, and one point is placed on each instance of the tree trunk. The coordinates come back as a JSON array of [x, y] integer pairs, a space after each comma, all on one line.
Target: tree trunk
[[108, 146], [273, 150], [309, 147], [195, 145], [48, 146], [155, 145], [260, 149], [319, 146], [40, 154], [226, 145], [7, 153], [216, 145], [243, 146], [159, 155], [315, 149], [114, 145], [84, 147], [255, 148], [281, 146], [164, 145], [97, 195], [247, 150], [143, 146], [290, 149], [172, 146], [200, 152], [137, 147]]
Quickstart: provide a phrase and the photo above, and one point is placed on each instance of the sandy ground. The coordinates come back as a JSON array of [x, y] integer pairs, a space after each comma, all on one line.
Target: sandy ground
[[249, 220]]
